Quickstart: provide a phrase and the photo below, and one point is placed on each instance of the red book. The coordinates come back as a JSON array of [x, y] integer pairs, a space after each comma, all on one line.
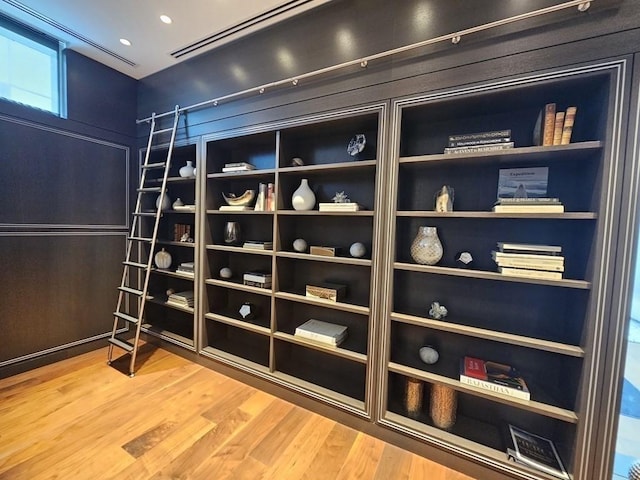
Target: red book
[[497, 377]]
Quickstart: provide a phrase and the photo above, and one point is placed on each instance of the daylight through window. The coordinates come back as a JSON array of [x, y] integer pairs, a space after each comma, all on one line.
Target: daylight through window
[[29, 67]]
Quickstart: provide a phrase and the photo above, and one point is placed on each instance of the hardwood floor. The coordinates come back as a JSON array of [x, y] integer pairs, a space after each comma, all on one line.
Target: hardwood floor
[[81, 419]]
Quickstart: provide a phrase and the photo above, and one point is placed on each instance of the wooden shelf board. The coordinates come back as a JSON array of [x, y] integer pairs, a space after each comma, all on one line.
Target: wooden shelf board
[[355, 165], [259, 172], [172, 180], [163, 302], [239, 212], [520, 154], [172, 273], [238, 323], [512, 339], [167, 334], [541, 216], [322, 393], [227, 248], [529, 405], [189, 211], [234, 360], [360, 213], [321, 258], [459, 272], [239, 286], [176, 244], [347, 307], [337, 351]]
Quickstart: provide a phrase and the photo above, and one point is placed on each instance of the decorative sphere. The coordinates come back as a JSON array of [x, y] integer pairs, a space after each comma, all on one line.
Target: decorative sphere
[[300, 245], [225, 272], [429, 355], [357, 250]]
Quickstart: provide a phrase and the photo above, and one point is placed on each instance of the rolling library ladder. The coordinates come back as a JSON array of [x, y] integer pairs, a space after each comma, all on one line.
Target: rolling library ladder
[[137, 237]]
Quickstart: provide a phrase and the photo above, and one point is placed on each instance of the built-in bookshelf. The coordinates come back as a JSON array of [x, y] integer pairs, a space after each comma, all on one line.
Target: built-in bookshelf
[[545, 328], [264, 342]]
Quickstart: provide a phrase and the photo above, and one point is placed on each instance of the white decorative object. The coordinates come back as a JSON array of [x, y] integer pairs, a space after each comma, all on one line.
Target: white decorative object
[[303, 198], [243, 200], [178, 203], [162, 259], [357, 250], [429, 355], [444, 199], [438, 311], [356, 145], [226, 272], [300, 245], [426, 248], [188, 171], [166, 201]]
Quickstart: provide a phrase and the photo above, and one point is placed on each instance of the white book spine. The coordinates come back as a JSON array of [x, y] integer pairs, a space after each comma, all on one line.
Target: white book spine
[[318, 337], [501, 389], [532, 265], [524, 273]]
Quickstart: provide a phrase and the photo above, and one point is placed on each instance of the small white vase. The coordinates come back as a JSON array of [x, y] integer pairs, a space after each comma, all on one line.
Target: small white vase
[[163, 259], [166, 201], [303, 198], [426, 248], [188, 170]]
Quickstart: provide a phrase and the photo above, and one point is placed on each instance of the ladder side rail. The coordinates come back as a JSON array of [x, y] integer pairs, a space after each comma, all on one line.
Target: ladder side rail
[[156, 226]]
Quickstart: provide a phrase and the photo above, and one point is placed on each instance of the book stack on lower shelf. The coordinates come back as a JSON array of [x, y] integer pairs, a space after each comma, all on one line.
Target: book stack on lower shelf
[[257, 245], [326, 333], [543, 262], [257, 279], [479, 142], [181, 299], [186, 268], [237, 167], [528, 205], [493, 376], [536, 452]]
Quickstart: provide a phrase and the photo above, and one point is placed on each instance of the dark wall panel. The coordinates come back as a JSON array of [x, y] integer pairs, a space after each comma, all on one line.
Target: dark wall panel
[[51, 177], [58, 289]]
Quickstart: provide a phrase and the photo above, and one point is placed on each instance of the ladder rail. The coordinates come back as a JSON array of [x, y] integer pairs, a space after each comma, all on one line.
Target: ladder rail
[[136, 225]]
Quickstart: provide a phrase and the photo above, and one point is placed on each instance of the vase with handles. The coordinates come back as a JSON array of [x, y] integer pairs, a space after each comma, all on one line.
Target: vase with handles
[[303, 198], [426, 248], [187, 171]]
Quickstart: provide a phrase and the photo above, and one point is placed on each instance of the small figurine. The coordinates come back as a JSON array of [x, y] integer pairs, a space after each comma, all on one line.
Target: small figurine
[[464, 259], [297, 162], [438, 311], [340, 197], [248, 311], [444, 199]]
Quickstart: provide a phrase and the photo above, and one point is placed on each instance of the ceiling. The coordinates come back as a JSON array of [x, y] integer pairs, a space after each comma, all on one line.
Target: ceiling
[[94, 27]]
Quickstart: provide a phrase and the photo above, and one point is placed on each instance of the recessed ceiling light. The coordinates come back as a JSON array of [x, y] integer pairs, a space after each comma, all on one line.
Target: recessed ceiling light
[[166, 19], [126, 42]]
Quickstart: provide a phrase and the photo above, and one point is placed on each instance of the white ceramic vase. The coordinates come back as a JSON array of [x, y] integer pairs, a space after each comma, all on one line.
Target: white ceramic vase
[[303, 198], [166, 201], [426, 248], [163, 259], [188, 170]]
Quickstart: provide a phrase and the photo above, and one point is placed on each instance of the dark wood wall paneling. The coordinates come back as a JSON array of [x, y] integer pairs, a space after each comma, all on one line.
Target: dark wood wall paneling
[[63, 214], [350, 29]]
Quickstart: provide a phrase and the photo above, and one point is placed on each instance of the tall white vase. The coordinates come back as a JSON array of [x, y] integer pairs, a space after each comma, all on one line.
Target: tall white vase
[[303, 198]]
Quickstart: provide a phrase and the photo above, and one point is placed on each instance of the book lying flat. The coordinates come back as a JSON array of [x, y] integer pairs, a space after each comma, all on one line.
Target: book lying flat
[[526, 273], [537, 452], [493, 376], [529, 248], [531, 265], [550, 259], [529, 208], [324, 332]]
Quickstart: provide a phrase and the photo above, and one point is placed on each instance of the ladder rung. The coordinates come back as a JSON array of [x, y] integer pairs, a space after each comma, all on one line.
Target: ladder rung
[[149, 189], [145, 214], [139, 239], [164, 130], [150, 166], [126, 317], [135, 264], [122, 344], [130, 290]]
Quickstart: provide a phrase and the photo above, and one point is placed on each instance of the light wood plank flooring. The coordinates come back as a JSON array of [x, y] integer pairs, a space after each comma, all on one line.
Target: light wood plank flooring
[[81, 419]]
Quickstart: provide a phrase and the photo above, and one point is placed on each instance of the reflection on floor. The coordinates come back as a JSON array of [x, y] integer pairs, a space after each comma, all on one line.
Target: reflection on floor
[[628, 442]]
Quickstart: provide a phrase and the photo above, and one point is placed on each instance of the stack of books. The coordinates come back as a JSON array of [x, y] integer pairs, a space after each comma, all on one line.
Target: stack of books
[[186, 268], [543, 262], [323, 332], [257, 245], [528, 205], [554, 127], [181, 299], [238, 167], [266, 200], [496, 377], [536, 452], [257, 279], [480, 142], [338, 207]]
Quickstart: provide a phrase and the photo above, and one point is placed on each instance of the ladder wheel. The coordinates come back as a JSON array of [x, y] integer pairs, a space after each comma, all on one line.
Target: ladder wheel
[[108, 362], [132, 374]]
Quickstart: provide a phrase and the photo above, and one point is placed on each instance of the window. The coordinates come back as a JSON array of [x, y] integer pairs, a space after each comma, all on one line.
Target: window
[[30, 67]]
